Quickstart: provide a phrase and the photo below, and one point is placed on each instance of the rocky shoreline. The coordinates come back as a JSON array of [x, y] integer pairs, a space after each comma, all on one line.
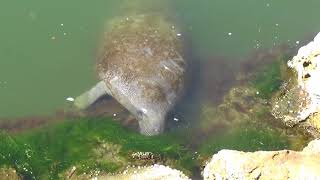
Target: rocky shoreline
[[226, 164], [284, 164], [299, 102]]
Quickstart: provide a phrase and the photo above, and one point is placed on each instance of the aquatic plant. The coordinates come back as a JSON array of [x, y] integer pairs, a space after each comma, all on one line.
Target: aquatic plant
[[245, 139], [49, 152], [268, 80]]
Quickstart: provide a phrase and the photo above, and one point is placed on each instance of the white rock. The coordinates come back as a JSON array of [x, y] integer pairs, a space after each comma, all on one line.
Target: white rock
[[307, 65], [285, 164], [154, 172]]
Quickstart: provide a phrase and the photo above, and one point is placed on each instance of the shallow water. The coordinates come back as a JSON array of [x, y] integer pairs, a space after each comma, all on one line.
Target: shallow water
[[47, 54], [48, 48]]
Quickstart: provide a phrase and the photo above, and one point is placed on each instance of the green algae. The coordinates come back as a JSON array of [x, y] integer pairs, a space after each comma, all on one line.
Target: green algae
[[49, 152], [245, 115], [245, 139], [269, 80]]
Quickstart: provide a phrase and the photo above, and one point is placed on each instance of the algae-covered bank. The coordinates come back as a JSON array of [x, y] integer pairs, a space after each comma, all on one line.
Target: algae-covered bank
[[88, 147], [180, 89]]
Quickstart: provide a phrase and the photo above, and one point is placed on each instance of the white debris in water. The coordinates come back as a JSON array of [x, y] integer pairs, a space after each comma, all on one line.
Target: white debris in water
[[179, 34], [53, 37], [268, 5], [114, 115], [257, 92], [176, 119], [61, 24], [172, 27], [70, 99], [64, 34], [144, 110], [230, 33], [297, 42], [127, 19], [277, 24]]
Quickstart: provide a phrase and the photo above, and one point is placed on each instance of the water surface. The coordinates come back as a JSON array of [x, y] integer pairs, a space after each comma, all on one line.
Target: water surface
[[48, 48]]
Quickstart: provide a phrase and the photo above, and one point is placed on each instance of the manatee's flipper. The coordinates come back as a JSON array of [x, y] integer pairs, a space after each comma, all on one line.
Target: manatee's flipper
[[88, 98]]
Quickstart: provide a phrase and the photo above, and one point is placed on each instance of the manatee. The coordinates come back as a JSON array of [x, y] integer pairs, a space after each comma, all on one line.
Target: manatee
[[141, 65]]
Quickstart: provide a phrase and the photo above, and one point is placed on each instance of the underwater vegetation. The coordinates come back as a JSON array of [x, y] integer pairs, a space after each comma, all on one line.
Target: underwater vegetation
[[243, 121], [245, 139], [269, 78], [47, 153]]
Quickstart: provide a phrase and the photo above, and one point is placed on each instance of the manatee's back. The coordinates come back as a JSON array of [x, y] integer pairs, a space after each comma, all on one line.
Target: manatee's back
[[141, 63]]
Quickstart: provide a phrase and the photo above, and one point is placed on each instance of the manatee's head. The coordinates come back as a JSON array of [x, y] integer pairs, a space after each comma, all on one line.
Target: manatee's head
[[151, 122]]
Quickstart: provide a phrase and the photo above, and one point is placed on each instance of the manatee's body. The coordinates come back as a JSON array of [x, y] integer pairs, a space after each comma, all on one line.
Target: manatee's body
[[142, 67]]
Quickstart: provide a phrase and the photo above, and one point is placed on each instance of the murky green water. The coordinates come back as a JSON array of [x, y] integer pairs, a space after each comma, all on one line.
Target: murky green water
[[47, 54], [47, 48]]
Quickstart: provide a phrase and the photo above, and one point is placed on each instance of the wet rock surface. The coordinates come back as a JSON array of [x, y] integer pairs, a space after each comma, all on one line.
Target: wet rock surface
[[285, 164], [299, 102], [154, 172]]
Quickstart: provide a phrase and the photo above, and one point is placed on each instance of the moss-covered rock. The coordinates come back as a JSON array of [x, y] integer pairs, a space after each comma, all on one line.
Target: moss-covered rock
[[298, 102], [241, 104], [243, 120], [89, 146]]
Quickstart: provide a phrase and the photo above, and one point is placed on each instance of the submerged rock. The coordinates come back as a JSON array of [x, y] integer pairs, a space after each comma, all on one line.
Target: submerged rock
[[299, 102], [141, 65], [285, 164], [241, 104], [9, 174]]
